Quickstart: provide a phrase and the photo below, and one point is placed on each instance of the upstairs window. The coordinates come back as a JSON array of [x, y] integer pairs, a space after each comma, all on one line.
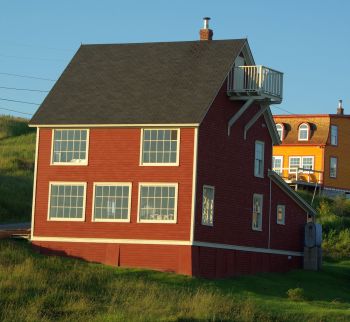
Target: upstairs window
[[257, 211], [70, 147], [160, 147], [304, 132], [334, 135], [259, 159], [281, 214], [305, 162], [208, 206], [333, 165], [280, 130]]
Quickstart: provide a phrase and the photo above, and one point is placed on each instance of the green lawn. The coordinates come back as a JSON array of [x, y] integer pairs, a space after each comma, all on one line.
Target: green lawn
[[17, 149], [38, 288]]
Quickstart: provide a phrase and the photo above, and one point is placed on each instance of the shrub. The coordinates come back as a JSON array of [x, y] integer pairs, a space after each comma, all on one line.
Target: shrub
[[296, 294]]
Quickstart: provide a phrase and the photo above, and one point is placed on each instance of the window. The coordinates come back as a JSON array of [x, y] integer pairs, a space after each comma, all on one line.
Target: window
[[303, 132], [67, 201], [158, 202], [305, 162], [280, 130], [112, 202], [160, 147], [257, 212], [208, 206], [334, 135], [259, 159], [277, 164], [281, 214], [333, 164], [70, 147]]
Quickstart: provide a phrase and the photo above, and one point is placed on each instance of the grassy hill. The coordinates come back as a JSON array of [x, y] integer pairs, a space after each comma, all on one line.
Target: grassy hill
[[17, 151], [34, 287]]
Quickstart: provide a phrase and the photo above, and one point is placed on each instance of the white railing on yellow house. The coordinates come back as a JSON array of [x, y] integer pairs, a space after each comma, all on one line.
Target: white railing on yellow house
[[306, 175], [255, 80]]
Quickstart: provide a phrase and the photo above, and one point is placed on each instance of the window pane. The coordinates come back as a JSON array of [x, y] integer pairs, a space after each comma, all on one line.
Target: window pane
[[157, 203], [159, 146], [257, 212], [64, 202], [208, 206], [259, 159], [69, 146], [110, 200]]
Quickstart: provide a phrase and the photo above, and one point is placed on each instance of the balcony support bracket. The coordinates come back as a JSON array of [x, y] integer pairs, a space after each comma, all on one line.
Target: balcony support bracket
[[235, 117], [264, 107]]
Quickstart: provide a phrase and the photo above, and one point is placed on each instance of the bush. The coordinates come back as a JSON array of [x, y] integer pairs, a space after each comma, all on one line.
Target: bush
[[296, 294], [337, 245]]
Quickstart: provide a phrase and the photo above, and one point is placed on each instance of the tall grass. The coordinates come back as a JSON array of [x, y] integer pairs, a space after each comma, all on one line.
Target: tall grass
[[38, 288], [17, 149]]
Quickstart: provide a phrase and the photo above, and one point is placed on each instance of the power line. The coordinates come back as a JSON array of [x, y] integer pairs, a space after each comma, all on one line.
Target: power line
[[280, 108], [27, 76], [8, 109], [24, 89], [24, 102]]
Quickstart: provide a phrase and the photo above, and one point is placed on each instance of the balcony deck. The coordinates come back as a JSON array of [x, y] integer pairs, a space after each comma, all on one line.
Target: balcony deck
[[258, 82]]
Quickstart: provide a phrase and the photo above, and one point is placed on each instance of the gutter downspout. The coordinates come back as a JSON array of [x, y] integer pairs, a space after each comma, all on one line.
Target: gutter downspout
[[270, 206]]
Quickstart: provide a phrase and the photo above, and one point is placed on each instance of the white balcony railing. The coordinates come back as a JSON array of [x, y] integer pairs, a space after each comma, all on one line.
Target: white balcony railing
[[255, 80], [292, 175]]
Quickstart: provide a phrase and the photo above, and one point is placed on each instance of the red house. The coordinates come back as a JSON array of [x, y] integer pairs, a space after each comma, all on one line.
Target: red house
[[157, 155]]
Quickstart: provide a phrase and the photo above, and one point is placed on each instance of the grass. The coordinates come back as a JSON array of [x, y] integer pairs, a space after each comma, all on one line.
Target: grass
[[38, 288], [17, 149]]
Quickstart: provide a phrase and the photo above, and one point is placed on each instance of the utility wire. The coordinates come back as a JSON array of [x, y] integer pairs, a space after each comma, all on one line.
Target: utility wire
[[280, 108], [27, 76], [24, 89], [8, 109], [24, 102]]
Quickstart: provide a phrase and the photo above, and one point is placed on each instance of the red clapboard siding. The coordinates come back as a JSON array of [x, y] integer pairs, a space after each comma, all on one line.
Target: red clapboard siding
[[227, 162], [114, 156]]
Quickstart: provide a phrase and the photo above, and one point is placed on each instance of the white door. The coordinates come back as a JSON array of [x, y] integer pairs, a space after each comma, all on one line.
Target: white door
[[239, 74]]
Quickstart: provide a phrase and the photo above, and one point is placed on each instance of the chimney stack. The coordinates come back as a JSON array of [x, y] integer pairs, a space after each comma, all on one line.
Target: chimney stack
[[340, 110], [205, 33]]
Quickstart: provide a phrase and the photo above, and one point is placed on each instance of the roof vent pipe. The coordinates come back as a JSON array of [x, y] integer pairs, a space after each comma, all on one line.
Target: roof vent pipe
[[205, 33], [340, 110]]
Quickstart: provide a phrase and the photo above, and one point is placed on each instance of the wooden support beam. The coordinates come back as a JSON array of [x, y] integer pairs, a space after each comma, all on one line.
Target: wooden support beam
[[263, 108], [235, 117]]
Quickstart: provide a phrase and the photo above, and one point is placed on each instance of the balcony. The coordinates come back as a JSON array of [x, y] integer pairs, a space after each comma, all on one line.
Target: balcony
[[257, 82], [301, 176]]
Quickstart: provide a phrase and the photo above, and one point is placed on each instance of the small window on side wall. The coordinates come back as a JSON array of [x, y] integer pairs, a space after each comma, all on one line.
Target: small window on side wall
[[333, 165], [280, 130], [257, 212], [208, 206], [259, 159], [334, 135], [281, 214]]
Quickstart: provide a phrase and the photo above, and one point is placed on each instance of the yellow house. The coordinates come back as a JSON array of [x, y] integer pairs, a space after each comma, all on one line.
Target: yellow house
[[314, 151]]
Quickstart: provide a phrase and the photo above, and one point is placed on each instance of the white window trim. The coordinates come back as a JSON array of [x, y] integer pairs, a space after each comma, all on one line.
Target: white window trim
[[330, 167], [84, 163], [308, 132], [301, 162], [210, 187], [263, 159], [334, 126], [66, 183], [161, 164], [279, 157], [284, 215], [261, 196], [282, 130], [158, 184], [114, 184]]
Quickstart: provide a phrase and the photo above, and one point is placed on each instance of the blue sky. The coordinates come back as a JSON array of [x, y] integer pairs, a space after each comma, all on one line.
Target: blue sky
[[307, 40]]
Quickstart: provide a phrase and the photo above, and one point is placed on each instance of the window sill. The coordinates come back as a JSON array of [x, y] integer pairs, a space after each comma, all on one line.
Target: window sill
[[111, 220], [66, 219], [159, 164], [156, 221], [70, 163], [257, 229]]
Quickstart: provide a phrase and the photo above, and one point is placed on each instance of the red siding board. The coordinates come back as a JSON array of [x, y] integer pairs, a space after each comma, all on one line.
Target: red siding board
[[114, 157]]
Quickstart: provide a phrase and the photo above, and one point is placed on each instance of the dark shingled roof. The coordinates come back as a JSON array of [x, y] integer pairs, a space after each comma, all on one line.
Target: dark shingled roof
[[147, 83]]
